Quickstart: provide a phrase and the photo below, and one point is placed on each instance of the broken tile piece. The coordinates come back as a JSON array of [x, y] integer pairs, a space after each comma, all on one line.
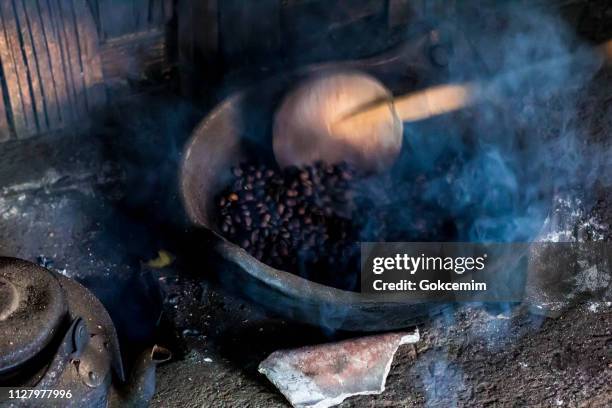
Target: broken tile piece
[[324, 375]]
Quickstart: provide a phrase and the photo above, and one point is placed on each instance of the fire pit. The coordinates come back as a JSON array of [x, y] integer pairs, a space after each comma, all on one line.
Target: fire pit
[[240, 129]]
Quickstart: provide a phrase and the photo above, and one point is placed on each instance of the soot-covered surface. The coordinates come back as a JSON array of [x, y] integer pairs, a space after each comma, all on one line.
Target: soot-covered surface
[[99, 206]]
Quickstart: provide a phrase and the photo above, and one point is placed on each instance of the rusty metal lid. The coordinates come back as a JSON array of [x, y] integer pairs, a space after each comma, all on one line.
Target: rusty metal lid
[[32, 307]]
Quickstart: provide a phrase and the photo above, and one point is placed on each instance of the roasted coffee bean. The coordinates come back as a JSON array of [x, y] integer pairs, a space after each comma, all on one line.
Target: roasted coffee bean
[[292, 219]]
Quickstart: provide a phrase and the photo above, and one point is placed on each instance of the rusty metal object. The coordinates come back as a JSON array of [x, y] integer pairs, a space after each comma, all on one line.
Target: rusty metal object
[[243, 123], [55, 334], [32, 307]]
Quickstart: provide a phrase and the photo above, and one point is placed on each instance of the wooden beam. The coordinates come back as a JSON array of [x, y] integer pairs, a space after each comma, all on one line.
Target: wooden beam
[[31, 61], [16, 73], [132, 55], [42, 56], [72, 57], [87, 36], [59, 72]]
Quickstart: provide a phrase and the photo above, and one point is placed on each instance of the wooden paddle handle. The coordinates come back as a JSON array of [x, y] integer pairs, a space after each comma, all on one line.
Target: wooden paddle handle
[[414, 106], [434, 101]]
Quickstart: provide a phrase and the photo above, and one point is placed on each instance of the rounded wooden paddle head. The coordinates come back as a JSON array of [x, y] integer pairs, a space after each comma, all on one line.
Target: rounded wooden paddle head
[[308, 126]]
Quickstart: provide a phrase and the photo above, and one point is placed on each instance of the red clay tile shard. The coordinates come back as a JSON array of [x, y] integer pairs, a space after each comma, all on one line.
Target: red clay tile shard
[[325, 375]]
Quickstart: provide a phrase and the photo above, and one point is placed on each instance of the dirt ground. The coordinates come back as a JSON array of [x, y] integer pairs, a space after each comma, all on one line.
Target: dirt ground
[[466, 358]]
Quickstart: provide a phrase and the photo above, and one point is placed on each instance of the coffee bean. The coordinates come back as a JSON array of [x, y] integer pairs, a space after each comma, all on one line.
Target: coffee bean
[[287, 218]]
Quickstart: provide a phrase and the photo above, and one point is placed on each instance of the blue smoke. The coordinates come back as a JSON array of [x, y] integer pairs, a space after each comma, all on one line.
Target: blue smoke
[[490, 171]]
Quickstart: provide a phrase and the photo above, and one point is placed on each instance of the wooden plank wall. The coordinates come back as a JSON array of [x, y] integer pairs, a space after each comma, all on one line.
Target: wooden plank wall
[[52, 56], [51, 72], [61, 60]]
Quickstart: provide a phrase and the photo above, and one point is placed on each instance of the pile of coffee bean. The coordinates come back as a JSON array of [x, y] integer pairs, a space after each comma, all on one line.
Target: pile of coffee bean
[[296, 219]]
